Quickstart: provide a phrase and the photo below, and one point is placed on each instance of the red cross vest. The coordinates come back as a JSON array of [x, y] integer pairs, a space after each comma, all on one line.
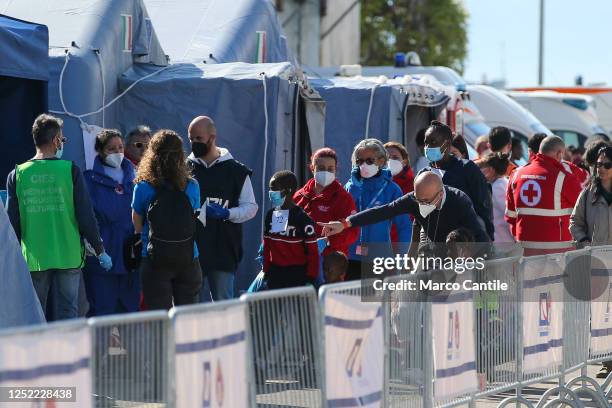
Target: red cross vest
[[539, 201]]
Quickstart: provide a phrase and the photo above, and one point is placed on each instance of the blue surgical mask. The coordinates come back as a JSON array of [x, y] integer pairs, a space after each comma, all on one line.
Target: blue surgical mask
[[276, 198], [433, 154]]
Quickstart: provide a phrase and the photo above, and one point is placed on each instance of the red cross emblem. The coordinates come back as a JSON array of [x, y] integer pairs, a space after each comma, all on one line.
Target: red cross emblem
[[531, 193]]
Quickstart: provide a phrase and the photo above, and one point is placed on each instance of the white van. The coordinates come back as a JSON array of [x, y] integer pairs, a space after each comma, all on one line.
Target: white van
[[498, 109], [570, 116], [602, 98]]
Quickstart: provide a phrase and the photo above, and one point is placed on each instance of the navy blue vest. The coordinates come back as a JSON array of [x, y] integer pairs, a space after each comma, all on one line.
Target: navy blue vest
[[220, 242]]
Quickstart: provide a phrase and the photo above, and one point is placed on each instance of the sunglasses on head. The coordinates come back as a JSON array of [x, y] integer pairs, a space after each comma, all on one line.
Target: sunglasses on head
[[367, 161], [606, 165], [140, 145]]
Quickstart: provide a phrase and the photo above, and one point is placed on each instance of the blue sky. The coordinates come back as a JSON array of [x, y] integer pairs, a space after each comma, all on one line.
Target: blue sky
[[503, 38]]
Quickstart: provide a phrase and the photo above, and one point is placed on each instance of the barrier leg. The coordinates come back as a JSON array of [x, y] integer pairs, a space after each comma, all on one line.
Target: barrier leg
[[597, 392], [566, 397], [428, 360], [560, 402], [607, 387], [518, 401]]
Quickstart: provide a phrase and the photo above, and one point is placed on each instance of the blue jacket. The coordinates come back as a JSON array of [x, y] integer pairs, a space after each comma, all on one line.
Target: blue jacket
[[373, 192], [112, 206]]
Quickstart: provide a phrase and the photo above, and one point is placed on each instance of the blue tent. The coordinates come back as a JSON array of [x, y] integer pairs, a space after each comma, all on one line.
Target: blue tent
[[235, 96], [19, 304], [24, 49], [24, 71], [390, 111], [211, 31], [91, 43]]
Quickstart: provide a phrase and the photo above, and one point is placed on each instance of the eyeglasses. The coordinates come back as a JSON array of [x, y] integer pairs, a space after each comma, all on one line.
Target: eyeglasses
[[141, 145], [369, 160], [606, 165], [428, 202]]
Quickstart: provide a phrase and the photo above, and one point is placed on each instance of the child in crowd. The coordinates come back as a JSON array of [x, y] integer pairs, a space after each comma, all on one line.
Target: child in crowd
[[290, 251], [335, 265], [460, 243]]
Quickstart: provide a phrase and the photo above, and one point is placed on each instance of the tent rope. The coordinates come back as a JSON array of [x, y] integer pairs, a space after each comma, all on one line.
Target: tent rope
[[367, 129], [99, 58], [101, 109], [263, 175]]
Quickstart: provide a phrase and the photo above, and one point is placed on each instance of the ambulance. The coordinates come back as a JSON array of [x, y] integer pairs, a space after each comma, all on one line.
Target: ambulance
[[598, 98], [498, 109]]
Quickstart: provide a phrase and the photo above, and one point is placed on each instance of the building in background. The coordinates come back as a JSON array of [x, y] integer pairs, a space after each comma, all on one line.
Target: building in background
[[322, 32]]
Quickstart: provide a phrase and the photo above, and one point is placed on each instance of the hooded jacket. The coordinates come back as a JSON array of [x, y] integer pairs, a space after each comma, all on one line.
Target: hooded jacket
[[332, 204], [111, 202], [373, 192]]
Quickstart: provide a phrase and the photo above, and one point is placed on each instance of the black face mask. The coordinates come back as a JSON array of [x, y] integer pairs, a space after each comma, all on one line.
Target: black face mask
[[199, 149]]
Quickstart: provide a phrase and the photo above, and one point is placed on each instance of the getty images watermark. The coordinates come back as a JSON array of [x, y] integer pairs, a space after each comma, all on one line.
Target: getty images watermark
[[404, 264], [484, 272]]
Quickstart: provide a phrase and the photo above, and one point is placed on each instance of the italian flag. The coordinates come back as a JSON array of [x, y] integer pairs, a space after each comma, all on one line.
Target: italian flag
[[126, 32], [261, 47]]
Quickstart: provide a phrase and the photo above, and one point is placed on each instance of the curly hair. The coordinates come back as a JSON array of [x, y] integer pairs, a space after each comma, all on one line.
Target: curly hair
[[163, 162]]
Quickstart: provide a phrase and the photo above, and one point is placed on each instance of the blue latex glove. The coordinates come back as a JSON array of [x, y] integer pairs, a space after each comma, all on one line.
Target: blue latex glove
[[105, 261], [322, 244], [216, 212]]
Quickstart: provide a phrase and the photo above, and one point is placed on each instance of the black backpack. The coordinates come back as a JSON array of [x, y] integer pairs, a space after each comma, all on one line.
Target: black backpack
[[171, 229]]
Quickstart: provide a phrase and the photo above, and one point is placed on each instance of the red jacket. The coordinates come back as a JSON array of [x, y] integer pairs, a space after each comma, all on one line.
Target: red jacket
[[332, 204], [404, 179], [578, 172], [581, 174], [539, 200], [296, 246]]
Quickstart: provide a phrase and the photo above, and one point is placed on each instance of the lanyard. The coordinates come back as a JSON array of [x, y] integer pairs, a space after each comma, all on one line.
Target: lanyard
[[370, 205], [373, 199]]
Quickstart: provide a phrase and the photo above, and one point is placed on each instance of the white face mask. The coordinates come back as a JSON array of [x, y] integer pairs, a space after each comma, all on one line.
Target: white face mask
[[368, 170], [395, 166], [426, 209], [114, 159], [324, 178]]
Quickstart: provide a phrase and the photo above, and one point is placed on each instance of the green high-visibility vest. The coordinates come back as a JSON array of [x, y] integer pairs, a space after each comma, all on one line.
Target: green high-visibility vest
[[50, 237]]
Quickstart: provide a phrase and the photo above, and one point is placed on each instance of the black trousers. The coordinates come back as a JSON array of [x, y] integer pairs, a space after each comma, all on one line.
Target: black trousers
[[281, 277], [160, 286]]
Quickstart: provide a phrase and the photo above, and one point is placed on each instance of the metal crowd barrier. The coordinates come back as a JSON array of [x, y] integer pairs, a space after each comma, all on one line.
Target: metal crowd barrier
[[286, 347], [498, 329], [130, 359], [276, 341], [353, 345], [212, 360], [405, 332]]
